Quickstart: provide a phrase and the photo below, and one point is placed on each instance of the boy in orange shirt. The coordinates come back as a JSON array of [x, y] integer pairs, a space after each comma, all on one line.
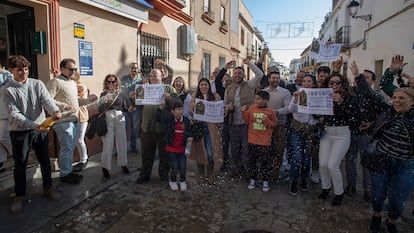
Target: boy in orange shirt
[[260, 120]]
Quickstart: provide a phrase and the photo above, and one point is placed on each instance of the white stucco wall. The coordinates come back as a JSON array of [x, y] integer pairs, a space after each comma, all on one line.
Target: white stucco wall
[[114, 40]]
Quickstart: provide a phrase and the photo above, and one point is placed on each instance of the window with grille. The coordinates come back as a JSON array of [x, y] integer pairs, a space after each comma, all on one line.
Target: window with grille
[[152, 47]]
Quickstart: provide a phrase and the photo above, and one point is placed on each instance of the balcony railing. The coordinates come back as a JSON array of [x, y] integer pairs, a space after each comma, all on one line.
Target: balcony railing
[[342, 35], [208, 15]]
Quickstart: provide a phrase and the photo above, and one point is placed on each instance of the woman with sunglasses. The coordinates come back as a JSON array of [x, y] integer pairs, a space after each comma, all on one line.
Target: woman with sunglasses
[[335, 142], [113, 102]]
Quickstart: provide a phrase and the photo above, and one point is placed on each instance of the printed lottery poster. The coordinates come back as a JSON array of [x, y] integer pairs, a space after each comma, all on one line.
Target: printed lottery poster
[[209, 111], [315, 101], [149, 94], [323, 52]]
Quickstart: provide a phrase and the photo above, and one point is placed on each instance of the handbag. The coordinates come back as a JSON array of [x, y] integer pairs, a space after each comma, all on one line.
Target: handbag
[[197, 130], [97, 122], [373, 159]]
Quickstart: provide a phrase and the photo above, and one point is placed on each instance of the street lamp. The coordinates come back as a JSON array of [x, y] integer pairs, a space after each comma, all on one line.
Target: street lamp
[[353, 11]]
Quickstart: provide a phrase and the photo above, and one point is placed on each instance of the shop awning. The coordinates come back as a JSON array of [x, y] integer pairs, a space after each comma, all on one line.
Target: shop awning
[[136, 10], [154, 27]]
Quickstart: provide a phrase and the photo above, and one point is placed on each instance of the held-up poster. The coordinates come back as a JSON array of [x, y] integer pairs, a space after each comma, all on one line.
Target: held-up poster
[[315, 101], [149, 94], [324, 52], [209, 111]]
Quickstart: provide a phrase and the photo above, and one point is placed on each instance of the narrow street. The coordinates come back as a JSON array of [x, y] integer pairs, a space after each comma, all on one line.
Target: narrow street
[[120, 205]]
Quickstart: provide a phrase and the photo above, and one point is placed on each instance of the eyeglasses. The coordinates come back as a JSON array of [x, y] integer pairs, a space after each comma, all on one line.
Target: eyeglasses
[[110, 81], [332, 82], [72, 69]]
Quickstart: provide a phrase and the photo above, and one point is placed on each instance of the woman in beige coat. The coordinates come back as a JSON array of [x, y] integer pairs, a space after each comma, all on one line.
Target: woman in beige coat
[[206, 147]]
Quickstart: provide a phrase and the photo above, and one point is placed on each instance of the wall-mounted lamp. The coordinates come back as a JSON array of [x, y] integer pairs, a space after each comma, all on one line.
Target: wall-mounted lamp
[[353, 9]]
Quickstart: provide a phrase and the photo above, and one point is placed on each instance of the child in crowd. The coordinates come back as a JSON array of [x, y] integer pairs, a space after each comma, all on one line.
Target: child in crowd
[[260, 120], [177, 132]]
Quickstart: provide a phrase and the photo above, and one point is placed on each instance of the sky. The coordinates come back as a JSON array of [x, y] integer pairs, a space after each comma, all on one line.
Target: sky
[[274, 18]]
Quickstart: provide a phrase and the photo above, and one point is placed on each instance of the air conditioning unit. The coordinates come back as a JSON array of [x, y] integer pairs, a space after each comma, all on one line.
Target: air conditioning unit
[[187, 40]]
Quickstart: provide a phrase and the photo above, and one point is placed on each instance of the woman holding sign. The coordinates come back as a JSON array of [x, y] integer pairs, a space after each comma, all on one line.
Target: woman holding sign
[[335, 143], [303, 132], [206, 147]]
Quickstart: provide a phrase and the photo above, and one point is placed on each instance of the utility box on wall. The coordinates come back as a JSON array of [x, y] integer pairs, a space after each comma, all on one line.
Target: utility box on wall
[[39, 42], [187, 40]]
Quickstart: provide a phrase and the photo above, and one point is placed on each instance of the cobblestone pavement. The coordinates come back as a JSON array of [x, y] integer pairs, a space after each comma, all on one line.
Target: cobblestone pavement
[[226, 206]]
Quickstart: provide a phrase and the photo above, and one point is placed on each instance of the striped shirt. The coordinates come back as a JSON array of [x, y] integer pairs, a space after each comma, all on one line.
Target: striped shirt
[[395, 140]]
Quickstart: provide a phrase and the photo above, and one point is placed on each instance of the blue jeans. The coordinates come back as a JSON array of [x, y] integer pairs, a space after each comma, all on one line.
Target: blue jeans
[[178, 163], [396, 182], [66, 133], [208, 146], [135, 118], [358, 145], [300, 159]]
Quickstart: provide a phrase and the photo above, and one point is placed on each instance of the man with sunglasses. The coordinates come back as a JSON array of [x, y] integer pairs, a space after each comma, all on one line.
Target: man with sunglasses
[[128, 88], [64, 90]]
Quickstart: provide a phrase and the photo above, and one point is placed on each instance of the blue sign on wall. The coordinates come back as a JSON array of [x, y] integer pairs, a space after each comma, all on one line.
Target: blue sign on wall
[[85, 58]]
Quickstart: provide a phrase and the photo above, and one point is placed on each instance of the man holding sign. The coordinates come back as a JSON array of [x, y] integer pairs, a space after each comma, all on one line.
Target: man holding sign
[[152, 133]]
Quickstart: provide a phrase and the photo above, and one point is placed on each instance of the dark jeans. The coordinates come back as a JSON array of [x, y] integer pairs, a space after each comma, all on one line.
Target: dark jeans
[[300, 160], [21, 142], [225, 137], [261, 154], [238, 144], [178, 164], [149, 143], [358, 145], [396, 182], [133, 117]]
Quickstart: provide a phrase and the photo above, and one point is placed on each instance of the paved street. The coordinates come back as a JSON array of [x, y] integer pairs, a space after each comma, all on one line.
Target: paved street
[[120, 205]]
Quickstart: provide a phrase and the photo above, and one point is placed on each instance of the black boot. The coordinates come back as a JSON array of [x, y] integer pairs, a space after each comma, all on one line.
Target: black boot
[[210, 171], [391, 227], [201, 170], [294, 187], [106, 173], [337, 199], [324, 194], [375, 224], [125, 169]]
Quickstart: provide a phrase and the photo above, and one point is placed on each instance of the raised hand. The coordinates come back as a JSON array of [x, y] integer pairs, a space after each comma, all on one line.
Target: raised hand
[[230, 64], [336, 65], [397, 63], [354, 69]]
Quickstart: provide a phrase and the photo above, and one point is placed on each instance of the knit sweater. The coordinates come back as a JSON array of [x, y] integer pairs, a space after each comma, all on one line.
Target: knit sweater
[[65, 93], [5, 77], [279, 101], [26, 102]]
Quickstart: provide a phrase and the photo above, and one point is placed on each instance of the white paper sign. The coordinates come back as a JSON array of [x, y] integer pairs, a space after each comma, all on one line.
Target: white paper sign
[[323, 52], [149, 94], [315, 101], [209, 111]]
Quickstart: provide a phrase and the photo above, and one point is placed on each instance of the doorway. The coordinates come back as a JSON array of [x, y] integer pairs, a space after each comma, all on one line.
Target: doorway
[[17, 25]]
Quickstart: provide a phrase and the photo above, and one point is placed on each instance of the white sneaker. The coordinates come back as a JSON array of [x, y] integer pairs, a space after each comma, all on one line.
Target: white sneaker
[[252, 184], [183, 186], [265, 187], [315, 177], [173, 186]]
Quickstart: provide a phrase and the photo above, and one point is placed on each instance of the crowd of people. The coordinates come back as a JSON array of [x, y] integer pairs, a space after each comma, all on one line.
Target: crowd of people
[[262, 126]]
